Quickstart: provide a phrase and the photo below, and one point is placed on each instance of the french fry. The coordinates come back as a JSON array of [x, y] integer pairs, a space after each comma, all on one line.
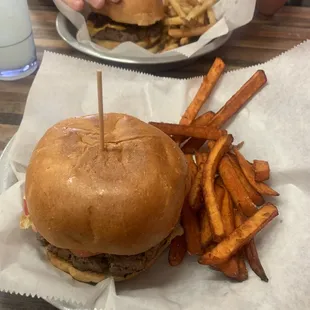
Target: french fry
[[192, 2], [206, 233], [202, 120], [170, 47], [256, 197], [210, 168], [219, 194], [234, 186], [174, 21], [232, 106], [229, 268], [192, 167], [184, 41], [202, 132], [249, 173], [240, 145], [171, 12], [195, 193], [242, 96], [177, 7], [208, 83], [177, 250], [254, 261], [191, 230], [211, 16], [190, 32], [243, 272], [227, 214], [200, 9], [261, 170], [240, 236]]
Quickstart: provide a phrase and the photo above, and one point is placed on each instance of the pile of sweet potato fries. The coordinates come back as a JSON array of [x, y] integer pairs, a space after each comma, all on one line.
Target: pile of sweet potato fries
[[226, 206]]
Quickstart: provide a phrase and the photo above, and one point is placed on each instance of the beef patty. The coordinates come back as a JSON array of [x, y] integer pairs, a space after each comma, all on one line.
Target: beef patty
[[117, 265], [132, 33]]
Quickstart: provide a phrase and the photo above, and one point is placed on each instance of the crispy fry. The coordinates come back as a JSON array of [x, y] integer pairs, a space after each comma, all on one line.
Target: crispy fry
[[190, 32], [227, 214], [171, 12], [254, 261], [243, 271], [201, 158], [177, 250], [206, 87], [240, 145], [219, 194], [256, 197], [192, 2], [170, 47], [200, 121], [211, 16], [242, 96], [239, 218], [240, 236], [261, 170], [200, 9], [249, 173], [174, 21], [192, 167], [238, 193], [191, 230], [229, 268], [217, 152], [195, 193], [206, 233], [184, 41], [203, 132], [177, 7]]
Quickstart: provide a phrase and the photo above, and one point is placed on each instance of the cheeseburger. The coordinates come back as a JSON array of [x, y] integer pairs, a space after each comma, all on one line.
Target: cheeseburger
[[136, 21], [105, 213]]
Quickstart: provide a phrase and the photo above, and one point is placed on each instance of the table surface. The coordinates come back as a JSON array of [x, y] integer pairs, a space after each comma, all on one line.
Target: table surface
[[257, 42]]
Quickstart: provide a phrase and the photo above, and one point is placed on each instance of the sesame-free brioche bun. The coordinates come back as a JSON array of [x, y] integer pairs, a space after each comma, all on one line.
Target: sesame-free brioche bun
[[122, 200], [138, 12]]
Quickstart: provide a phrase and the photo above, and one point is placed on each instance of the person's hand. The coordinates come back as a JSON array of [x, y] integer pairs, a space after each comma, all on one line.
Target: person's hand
[[78, 5]]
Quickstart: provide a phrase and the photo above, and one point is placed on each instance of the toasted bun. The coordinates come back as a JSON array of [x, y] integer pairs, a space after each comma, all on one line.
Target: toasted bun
[[93, 277], [138, 12], [123, 200]]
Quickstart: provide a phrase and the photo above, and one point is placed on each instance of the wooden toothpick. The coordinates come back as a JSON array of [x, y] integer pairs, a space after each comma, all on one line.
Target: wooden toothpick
[[100, 108]]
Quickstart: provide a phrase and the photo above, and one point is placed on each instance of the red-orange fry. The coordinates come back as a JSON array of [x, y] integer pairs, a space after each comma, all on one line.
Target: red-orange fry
[[177, 250], [206, 87], [203, 132]]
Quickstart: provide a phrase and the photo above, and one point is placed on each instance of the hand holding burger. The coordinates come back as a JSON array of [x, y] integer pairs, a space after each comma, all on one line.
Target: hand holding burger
[[78, 5]]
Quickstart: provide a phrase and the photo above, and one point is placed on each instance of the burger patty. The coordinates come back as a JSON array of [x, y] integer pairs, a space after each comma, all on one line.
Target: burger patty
[[117, 265], [132, 33]]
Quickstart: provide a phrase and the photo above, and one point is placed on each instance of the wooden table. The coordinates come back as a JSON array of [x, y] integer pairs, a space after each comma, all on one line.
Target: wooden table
[[255, 43]]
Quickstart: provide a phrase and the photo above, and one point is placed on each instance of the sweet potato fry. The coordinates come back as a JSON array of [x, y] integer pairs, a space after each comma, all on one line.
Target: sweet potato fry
[[206, 233], [219, 194], [195, 193], [261, 170], [237, 101], [227, 213], [238, 193], [192, 167], [191, 230], [254, 261], [177, 250], [256, 197], [229, 268], [240, 236], [201, 158], [243, 272], [232, 106], [249, 173], [215, 155], [206, 87], [203, 132]]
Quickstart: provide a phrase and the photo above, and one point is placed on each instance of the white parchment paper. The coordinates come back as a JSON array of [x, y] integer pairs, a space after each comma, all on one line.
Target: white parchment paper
[[275, 126], [230, 14]]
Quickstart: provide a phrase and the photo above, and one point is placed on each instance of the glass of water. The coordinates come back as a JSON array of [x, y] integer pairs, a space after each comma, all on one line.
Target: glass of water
[[17, 49]]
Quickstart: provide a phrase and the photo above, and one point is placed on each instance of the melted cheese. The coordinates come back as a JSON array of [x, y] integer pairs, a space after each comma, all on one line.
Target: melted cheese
[[93, 31]]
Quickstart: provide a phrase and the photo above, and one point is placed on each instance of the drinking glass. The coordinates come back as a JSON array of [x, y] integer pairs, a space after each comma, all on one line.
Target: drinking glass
[[17, 49]]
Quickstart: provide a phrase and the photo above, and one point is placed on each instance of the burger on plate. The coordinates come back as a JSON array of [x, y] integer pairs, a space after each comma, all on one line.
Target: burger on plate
[[105, 213], [137, 21]]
